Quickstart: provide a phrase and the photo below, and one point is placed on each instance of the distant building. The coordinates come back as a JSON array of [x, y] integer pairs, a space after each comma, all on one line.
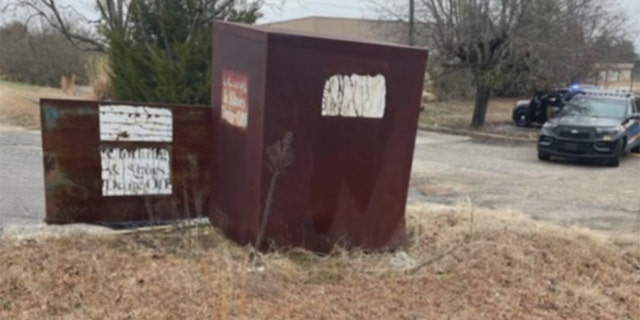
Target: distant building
[[614, 72], [362, 29]]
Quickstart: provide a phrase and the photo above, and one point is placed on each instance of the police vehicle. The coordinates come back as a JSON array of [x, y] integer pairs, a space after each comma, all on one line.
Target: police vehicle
[[593, 124], [544, 105]]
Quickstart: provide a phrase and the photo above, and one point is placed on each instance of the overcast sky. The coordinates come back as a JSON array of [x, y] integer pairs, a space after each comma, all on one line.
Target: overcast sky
[[278, 10], [292, 9]]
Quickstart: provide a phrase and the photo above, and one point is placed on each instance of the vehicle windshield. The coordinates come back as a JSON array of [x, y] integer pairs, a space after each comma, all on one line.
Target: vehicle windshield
[[598, 107]]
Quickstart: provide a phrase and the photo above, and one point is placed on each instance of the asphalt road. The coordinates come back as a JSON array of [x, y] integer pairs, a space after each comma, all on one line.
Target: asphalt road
[[456, 170], [447, 170], [21, 177]]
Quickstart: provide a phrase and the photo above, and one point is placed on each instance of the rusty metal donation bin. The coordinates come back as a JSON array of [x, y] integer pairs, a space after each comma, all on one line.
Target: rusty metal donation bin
[[314, 138], [113, 162]]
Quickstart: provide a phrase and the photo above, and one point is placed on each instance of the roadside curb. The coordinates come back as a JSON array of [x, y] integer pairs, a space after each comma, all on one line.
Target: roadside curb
[[475, 134]]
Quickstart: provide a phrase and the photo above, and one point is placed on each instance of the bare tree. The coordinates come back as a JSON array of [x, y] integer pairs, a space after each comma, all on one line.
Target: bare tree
[[39, 56], [114, 16], [496, 41], [476, 35], [77, 28], [158, 50], [563, 39]]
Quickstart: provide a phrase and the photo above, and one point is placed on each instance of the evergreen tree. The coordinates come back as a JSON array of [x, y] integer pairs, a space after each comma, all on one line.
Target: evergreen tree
[[164, 53]]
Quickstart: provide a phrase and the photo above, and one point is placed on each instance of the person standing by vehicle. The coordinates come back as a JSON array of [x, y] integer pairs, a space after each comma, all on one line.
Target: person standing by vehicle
[[538, 106]]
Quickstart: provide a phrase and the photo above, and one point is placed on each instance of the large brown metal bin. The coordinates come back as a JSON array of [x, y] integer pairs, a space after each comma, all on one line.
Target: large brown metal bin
[[349, 180], [78, 186]]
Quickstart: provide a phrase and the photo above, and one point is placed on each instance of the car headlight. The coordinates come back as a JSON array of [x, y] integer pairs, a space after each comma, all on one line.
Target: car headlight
[[548, 126], [609, 130], [608, 133]]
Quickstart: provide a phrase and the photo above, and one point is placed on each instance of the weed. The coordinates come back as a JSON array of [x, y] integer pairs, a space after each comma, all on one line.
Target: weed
[[279, 158]]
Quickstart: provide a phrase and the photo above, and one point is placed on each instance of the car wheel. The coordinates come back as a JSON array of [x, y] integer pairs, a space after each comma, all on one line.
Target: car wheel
[[543, 156], [521, 117], [617, 154], [636, 149]]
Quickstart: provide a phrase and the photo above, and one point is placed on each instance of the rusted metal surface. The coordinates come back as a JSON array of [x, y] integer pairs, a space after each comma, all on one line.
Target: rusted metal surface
[[352, 110], [108, 162]]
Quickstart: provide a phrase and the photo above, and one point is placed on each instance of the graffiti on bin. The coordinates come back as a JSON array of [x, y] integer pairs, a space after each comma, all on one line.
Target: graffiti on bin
[[359, 96]]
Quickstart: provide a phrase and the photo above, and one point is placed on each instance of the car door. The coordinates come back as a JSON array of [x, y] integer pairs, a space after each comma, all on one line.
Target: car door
[[634, 125]]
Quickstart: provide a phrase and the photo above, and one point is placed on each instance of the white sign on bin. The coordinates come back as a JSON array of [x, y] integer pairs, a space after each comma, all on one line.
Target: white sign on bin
[[135, 171]]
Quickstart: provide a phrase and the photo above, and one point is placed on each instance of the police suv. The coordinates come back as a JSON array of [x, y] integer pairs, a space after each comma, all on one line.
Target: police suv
[[594, 124]]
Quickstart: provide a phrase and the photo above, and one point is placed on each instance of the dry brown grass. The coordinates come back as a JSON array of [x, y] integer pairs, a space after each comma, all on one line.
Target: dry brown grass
[[457, 115], [622, 85], [460, 263], [19, 103], [98, 72]]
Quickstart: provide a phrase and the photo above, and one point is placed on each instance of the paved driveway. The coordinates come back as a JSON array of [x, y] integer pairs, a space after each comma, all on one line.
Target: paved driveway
[[454, 170], [21, 177]]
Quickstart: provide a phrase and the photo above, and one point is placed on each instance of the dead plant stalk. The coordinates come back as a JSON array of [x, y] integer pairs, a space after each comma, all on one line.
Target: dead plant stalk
[[279, 158]]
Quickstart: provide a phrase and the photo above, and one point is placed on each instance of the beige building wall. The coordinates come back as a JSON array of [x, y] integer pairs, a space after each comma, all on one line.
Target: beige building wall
[[358, 29], [361, 29], [614, 72]]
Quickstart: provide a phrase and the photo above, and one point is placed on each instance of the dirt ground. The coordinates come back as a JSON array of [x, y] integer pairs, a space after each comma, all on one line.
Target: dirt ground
[[455, 117], [19, 103], [457, 114]]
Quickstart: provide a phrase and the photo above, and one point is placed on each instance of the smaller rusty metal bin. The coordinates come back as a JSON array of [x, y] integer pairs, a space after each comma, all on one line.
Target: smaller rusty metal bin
[[313, 138], [107, 162]]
